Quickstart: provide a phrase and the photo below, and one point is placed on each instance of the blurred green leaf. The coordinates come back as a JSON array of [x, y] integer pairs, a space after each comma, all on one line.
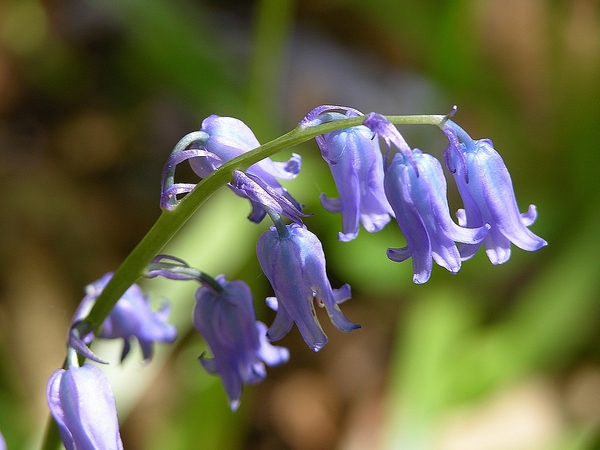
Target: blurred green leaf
[[174, 45]]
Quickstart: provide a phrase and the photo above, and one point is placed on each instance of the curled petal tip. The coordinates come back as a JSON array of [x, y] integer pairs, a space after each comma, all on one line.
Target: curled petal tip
[[272, 303], [234, 404], [420, 278], [316, 346], [346, 237], [78, 333]]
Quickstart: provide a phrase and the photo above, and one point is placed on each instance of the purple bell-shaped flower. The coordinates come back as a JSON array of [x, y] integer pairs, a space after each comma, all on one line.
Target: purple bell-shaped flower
[[488, 196], [130, 317], [238, 342], [227, 138], [416, 188], [356, 164], [295, 266], [82, 403]]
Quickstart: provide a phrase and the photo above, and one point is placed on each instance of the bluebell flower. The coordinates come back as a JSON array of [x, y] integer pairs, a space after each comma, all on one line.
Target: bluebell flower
[[488, 196], [295, 267], [416, 188], [130, 317], [2, 442], [227, 138], [356, 164], [238, 342], [82, 403]]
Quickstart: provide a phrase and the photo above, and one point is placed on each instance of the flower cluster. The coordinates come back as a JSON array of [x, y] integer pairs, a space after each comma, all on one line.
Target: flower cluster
[[407, 185], [404, 184]]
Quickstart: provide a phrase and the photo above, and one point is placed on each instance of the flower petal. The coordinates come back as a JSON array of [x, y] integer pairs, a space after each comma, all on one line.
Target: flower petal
[[81, 401], [227, 321], [486, 188], [295, 267], [356, 164]]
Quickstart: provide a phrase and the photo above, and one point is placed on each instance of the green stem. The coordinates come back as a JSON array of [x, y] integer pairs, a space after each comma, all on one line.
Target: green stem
[[282, 230], [52, 438]]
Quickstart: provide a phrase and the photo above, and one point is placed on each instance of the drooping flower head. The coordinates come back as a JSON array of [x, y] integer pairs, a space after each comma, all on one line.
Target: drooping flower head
[[226, 138], [488, 196], [82, 403], [356, 163], [238, 342], [416, 188], [130, 317], [295, 266]]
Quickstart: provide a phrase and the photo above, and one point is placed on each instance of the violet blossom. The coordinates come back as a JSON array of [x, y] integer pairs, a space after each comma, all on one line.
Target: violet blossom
[[238, 342], [488, 196], [356, 164], [82, 403], [416, 188], [295, 266], [227, 138], [130, 317]]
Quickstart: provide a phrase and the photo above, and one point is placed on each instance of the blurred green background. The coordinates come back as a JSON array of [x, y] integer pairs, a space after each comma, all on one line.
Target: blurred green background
[[93, 96]]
